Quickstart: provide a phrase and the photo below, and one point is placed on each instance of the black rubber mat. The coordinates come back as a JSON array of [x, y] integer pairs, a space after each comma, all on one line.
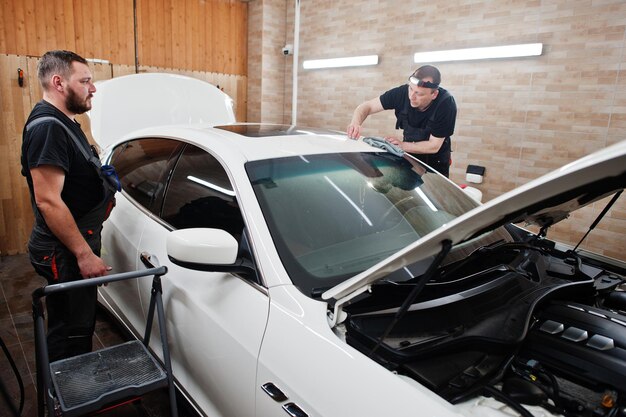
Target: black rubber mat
[[87, 382]]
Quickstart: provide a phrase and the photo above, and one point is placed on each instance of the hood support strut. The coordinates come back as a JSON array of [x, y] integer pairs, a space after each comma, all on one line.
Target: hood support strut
[[410, 299], [600, 216]]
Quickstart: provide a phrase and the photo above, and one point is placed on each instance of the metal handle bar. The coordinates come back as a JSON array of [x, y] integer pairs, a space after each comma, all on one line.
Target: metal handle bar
[[89, 282]]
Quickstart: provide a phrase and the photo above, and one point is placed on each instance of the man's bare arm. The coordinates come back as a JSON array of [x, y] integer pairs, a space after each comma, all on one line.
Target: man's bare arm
[[430, 146], [360, 114]]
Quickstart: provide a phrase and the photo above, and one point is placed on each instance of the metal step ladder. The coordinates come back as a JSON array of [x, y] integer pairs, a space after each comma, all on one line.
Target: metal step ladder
[[92, 381]]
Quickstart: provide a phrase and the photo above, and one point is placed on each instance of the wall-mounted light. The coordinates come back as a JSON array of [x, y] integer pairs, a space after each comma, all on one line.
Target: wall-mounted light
[[355, 61], [507, 51]]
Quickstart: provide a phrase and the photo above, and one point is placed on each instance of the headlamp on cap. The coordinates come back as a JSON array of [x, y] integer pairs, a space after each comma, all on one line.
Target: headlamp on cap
[[421, 83]]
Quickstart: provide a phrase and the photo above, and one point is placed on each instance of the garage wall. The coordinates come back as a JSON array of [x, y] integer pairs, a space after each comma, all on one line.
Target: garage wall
[[205, 39], [266, 65], [201, 35], [520, 118], [15, 211]]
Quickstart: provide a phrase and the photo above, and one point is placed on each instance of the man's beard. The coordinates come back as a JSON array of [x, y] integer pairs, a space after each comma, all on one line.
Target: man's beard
[[75, 105]]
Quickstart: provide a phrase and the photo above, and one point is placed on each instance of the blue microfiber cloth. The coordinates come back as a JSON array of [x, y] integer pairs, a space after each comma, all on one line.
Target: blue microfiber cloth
[[383, 144]]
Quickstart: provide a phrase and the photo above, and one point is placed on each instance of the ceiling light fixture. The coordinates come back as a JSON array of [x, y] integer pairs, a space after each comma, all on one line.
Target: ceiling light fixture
[[355, 61], [507, 51]]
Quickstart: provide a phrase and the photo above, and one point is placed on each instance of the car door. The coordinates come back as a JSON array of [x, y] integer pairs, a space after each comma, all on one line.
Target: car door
[[215, 320], [142, 166]]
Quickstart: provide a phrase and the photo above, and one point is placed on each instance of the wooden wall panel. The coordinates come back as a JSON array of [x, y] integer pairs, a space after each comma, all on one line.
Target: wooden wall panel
[[3, 17], [20, 21], [15, 212], [201, 35], [102, 29], [198, 35], [41, 36], [34, 88], [119, 70]]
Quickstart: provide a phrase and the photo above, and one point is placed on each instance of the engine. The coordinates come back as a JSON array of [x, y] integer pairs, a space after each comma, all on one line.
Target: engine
[[527, 327], [577, 353]]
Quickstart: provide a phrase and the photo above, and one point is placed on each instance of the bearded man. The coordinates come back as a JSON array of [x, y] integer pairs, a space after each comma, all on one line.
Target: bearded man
[[70, 199]]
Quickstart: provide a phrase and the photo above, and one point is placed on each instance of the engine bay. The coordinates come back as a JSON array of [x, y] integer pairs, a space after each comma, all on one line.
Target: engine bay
[[525, 323]]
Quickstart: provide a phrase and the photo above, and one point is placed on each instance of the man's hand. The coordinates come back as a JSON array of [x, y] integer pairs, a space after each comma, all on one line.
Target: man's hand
[[353, 131], [92, 266], [394, 141]]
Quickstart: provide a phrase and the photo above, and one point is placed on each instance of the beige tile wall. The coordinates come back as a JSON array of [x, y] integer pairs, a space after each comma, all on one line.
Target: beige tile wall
[[520, 118]]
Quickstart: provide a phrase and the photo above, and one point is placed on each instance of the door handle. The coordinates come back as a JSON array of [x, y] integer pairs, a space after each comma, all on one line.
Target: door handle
[[148, 260]]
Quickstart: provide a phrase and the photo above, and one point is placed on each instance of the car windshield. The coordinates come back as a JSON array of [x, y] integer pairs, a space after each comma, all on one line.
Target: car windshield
[[333, 216]]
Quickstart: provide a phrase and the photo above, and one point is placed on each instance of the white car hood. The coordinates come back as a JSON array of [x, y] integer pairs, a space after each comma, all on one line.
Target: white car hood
[[125, 104], [543, 201]]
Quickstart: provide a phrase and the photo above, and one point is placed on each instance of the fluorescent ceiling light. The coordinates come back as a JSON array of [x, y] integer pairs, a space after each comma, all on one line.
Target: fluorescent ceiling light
[[355, 61], [508, 51]]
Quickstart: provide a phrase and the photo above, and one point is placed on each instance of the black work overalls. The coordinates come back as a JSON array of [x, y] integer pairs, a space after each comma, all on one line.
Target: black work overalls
[[71, 314], [439, 161]]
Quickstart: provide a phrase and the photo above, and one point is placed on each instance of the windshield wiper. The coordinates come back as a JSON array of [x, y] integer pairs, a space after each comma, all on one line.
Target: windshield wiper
[[419, 286], [470, 258]]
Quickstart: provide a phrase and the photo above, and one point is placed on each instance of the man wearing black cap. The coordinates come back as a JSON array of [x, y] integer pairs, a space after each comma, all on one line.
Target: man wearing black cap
[[424, 111]]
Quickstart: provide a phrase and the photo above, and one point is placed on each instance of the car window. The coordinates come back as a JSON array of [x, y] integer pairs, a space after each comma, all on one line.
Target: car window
[[200, 194], [142, 166]]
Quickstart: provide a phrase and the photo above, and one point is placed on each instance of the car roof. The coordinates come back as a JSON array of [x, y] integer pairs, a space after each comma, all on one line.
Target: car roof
[[276, 142]]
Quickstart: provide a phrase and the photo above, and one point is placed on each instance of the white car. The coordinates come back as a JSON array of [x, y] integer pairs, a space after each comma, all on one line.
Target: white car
[[314, 275]]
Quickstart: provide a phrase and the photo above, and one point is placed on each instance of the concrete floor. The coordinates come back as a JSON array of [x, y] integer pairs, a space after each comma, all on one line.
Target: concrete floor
[[17, 282]]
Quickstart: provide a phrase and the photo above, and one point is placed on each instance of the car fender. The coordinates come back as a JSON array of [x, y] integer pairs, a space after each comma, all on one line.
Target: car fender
[[324, 376]]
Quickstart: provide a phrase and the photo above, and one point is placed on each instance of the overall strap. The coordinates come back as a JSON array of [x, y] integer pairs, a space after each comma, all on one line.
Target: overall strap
[[89, 156], [402, 117], [106, 172], [440, 100]]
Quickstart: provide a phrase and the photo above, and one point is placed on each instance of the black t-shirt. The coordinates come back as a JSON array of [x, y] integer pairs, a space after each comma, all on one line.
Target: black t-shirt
[[443, 124], [49, 144]]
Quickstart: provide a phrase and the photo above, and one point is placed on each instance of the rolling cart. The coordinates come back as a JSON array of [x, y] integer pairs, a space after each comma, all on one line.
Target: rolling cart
[[92, 381]]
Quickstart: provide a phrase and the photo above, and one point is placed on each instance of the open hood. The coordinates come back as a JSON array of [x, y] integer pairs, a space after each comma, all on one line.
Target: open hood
[[124, 104], [544, 201]]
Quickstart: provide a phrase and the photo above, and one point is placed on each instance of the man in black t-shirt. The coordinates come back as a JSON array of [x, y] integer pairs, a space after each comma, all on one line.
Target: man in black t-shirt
[[69, 197], [424, 111]]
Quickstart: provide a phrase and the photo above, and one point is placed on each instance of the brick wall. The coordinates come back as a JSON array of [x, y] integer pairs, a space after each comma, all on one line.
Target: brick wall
[[266, 64], [520, 118]]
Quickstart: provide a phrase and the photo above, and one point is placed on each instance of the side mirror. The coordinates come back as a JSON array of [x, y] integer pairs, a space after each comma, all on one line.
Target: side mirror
[[199, 248]]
